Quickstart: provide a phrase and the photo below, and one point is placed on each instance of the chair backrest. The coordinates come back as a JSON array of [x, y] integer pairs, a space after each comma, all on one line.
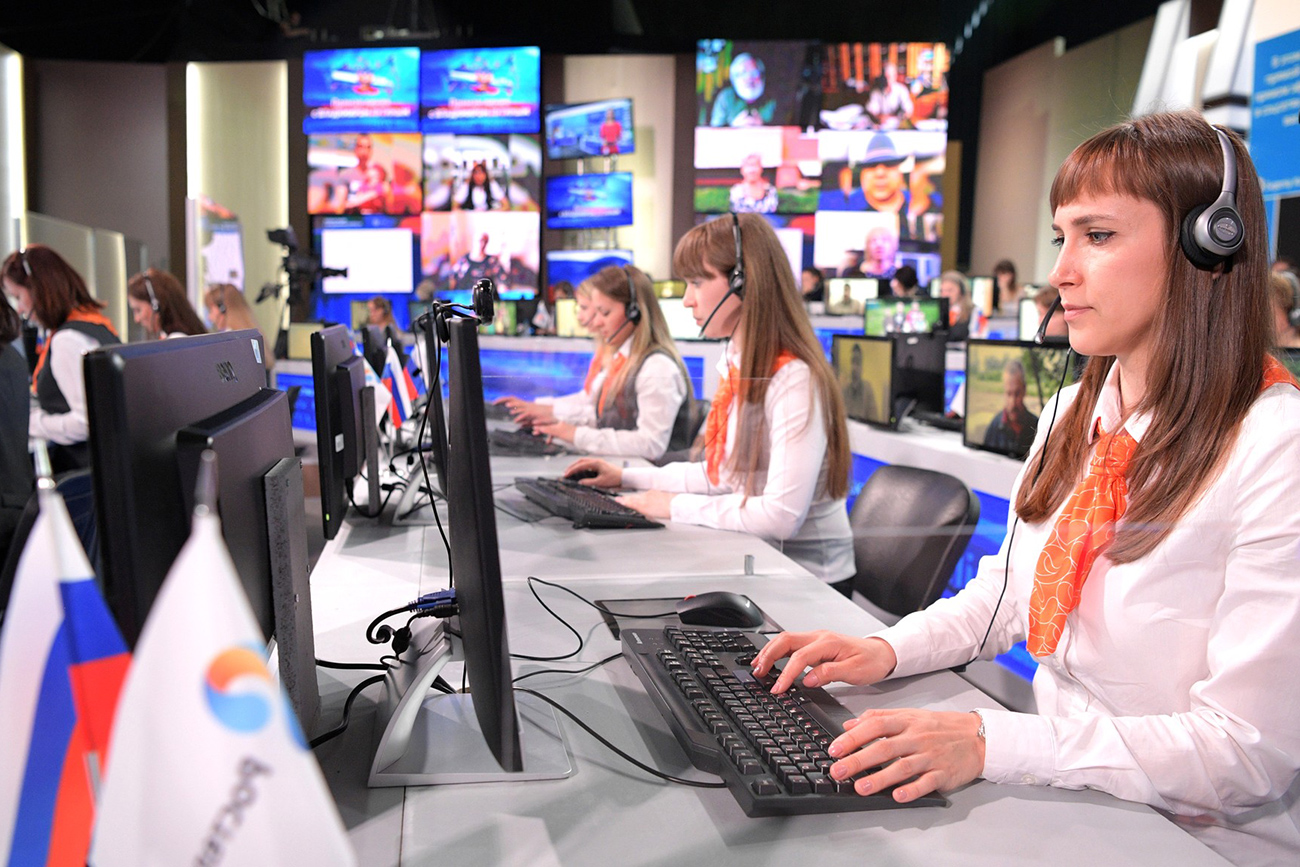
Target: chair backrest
[[910, 527]]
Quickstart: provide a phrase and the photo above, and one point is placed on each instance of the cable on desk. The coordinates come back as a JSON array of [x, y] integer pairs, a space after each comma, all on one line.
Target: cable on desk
[[583, 670], [347, 711], [582, 598], [360, 666], [699, 784]]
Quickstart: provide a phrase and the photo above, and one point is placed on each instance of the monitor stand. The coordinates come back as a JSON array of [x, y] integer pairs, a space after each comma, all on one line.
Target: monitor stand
[[427, 738], [417, 506]]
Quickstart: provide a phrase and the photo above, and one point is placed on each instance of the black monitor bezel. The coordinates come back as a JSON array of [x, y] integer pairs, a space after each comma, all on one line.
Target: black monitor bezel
[[336, 372]]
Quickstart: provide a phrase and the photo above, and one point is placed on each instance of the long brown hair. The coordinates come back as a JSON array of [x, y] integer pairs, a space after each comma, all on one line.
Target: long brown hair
[[772, 321], [175, 313], [1209, 346], [650, 333], [55, 286]]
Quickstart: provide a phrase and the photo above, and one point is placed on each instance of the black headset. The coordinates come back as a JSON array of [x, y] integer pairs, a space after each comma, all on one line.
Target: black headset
[[1293, 315], [221, 300], [631, 310], [153, 297], [736, 282], [1212, 233]]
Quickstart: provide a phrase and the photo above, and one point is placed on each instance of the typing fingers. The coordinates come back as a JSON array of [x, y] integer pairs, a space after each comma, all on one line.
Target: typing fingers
[[916, 750]]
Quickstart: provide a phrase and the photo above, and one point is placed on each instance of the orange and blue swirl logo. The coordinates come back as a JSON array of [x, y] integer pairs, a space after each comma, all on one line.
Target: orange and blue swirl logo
[[239, 689]]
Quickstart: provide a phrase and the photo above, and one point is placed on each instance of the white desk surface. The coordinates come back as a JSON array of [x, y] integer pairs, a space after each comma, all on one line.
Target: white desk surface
[[609, 812]]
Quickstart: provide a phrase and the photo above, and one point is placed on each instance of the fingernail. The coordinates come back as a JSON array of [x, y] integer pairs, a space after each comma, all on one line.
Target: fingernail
[[811, 679], [835, 750], [838, 773], [863, 787]]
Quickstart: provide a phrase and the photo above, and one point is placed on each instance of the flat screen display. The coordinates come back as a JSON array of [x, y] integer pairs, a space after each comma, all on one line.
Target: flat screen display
[[1007, 385], [905, 315], [864, 367], [481, 90], [848, 296], [459, 248], [574, 266], [589, 201], [590, 129], [364, 173], [482, 172], [680, 319], [379, 254], [354, 89]]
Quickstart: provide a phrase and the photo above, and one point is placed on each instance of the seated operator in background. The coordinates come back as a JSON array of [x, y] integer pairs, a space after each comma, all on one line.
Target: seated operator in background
[[776, 448], [159, 306]]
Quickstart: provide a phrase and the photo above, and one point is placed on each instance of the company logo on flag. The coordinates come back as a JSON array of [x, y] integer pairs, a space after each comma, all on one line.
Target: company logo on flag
[[238, 689]]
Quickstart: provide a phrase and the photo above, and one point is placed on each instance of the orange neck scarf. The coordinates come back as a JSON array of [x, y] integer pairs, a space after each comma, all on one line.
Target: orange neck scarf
[[614, 364], [715, 426], [79, 314], [597, 362], [1086, 527]]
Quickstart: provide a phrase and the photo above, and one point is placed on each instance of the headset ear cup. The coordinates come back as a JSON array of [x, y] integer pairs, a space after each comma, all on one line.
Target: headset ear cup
[[633, 312], [440, 324], [1195, 253]]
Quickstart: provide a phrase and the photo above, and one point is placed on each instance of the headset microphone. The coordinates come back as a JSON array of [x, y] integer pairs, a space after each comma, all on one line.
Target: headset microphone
[[736, 282], [1042, 328]]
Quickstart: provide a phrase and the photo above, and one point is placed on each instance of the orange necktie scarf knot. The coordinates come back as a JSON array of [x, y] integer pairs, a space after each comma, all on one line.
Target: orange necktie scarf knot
[[715, 426]]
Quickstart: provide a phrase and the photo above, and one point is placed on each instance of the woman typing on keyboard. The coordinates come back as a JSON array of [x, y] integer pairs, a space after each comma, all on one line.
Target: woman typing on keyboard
[[639, 401], [1151, 558], [776, 455]]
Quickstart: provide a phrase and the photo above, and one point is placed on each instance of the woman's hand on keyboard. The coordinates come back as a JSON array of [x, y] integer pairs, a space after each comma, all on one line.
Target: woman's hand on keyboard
[[558, 430], [919, 751], [526, 414], [595, 473], [829, 657], [652, 504]]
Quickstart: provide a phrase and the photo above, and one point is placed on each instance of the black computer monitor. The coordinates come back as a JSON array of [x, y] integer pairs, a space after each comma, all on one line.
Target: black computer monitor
[[848, 296], [864, 367], [139, 397], [1007, 384], [374, 346], [338, 377], [475, 557], [919, 367], [1029, 319], [437, 421], [905, 315]]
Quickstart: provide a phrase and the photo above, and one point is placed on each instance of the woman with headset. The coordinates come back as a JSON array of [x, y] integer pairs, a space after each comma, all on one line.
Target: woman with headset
[[640, 401], [45, 288], [776, 448], [1150, 561], [159, 306]]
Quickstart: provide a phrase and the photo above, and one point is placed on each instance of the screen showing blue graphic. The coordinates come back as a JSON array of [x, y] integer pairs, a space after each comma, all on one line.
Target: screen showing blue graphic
[[361, 89], [481, 90], [574, 266], [589, 201], [589, 129]]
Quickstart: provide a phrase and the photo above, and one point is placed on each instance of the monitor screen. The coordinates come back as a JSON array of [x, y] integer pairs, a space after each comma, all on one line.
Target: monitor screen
[[338, 375], [566, 319], [481, 90], [351, 89], [981, 294], [680, 319], [574, 266], [848, 296], [590, 129], [139, 396], [669, 288], [360, 309], [300, 339], [459, 248], [1007, 385], [475, 557], [364, 173], [1028, 319], [920, 365], [905, 315], [864, 367], [505, 321], [380, 254], [589, 201], [482, 172]]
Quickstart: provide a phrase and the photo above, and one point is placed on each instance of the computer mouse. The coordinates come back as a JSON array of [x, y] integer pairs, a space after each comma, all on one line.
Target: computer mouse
[[719, 608], [587, 473]]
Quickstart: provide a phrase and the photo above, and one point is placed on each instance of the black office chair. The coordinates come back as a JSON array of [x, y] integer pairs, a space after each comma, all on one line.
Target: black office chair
[[691, 425], [910, 527], [79, 496]]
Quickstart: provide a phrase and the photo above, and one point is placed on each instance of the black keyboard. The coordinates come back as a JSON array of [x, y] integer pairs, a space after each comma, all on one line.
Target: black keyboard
[[521, 443], [584, 506], [496, 411], [770, 750]]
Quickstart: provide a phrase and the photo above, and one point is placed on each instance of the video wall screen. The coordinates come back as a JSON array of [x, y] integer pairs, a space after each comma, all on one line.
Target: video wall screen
[[844, 142], [424, 171], [589, 201], [574, 266], [590, 129]]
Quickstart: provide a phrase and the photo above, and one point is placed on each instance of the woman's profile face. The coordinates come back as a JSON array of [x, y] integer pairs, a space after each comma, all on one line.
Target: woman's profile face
[[143, 314], [21, 295], [1111, 274], [608, 319], [703, 294]]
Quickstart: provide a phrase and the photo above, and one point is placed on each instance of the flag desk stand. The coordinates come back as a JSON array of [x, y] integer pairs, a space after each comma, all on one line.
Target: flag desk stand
[[428, 738]]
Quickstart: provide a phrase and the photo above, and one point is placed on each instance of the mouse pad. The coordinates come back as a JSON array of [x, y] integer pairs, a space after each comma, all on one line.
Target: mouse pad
[[656, 614]]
